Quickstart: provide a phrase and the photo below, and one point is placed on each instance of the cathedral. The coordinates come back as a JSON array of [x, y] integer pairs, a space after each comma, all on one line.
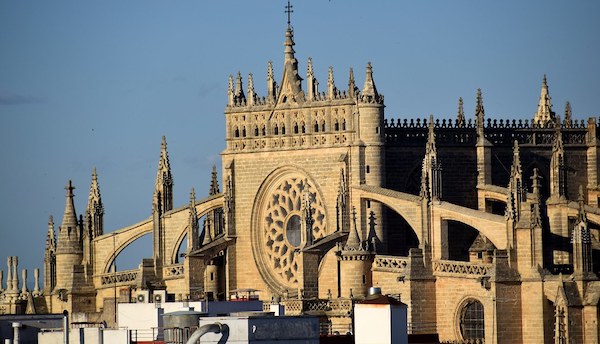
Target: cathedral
[[486, 228]]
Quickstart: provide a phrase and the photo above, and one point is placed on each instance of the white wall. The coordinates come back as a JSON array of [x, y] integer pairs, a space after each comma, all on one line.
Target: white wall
[[89, 336], [380, 324]]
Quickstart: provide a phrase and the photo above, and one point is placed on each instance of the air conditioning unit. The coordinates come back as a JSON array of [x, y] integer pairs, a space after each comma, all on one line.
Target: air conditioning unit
[[142, 296], [160, 296]]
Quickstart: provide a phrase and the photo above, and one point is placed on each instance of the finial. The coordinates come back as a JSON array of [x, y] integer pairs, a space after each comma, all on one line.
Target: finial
[[536, 218], [353, 241], [351, 84], [69, 188], [251, 93], [289, 11], [568, 114], [270, 70], [238, 84], [544, 112], [214, 182], [460, 118], [193, 196], [331, 89]]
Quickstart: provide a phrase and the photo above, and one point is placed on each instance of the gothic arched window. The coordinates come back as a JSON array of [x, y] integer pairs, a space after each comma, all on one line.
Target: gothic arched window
[[303, 128], [295, 128], [244, 132], [316, 127], [255, 131], [282, 129], [237, 132], [344, 124], [276, 130], [264, 130], [472, 320], [336, 125], [323, 125]]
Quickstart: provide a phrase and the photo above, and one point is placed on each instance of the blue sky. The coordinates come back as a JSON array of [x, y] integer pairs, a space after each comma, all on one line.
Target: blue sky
[[97, 83]]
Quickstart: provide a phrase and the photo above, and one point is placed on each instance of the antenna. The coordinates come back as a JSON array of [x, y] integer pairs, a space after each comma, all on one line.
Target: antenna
[[289, 11]]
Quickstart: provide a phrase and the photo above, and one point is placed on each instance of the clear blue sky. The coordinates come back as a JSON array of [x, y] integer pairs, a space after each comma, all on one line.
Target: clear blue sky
[[97, 83]]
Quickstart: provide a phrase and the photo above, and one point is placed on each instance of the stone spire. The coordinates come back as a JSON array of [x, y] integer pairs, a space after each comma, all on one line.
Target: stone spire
[[230, 100], [69, 233], [251, 93], [353, 242], [369, 91], [479, 110], [558, 173], [431, 169], [50, 237], [50, 258], [536, 215], [163, 194], [342, 203], [582, 242], [544, 112], [516, 172], [460, 117], [95, 210], [352, 89], [331, 89], [238, 93], [311, 81], [568, 115], [291, 84], [307, 214], [214, 182], [515, 185], [271, 84], [193, 228]]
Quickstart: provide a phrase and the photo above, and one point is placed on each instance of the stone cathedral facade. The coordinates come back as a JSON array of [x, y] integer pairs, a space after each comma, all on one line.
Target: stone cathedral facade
[[487, 228]]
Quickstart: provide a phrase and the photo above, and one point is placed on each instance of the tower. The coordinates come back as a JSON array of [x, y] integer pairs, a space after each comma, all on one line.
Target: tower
[[355, 258], [69, 248], [372, 146], [162, 202]]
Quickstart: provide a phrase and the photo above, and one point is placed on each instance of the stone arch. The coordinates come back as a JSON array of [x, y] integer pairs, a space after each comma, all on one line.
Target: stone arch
[[401, 237], [276, 203], [491, 226], [120, 246], [405, 205], [182, 233]]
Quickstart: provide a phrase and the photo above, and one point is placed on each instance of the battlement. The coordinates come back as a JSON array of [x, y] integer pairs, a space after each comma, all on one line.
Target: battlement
[[498, 132]]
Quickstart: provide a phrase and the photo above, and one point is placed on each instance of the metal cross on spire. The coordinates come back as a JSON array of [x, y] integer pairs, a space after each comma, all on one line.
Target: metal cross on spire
[[289, 11]]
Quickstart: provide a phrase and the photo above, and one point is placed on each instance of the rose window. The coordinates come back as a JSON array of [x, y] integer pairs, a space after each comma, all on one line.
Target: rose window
[[284, 224]]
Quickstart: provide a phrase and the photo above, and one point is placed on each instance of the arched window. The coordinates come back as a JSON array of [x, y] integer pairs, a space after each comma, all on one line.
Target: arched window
[[316, 127], [303, 128], [276, 130], [237, 132], [264, 130], [336, 125], [344, 124], [255, 131], [472, 320], [295, 128], [323, 125], [282, 129], [244, 132]]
